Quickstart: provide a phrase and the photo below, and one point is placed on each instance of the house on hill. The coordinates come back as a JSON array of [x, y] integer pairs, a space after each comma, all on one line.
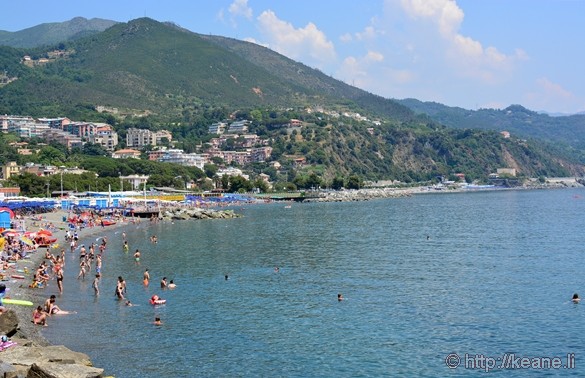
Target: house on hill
[[126, 153]]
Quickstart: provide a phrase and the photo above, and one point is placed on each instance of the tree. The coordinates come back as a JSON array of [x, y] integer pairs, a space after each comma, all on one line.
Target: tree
[[239, 184], [337, 183], [210, 170], [354, 182], [51, 156], [94, 149]]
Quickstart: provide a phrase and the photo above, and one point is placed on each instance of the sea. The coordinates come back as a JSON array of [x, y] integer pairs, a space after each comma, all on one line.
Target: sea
[[462, 284]]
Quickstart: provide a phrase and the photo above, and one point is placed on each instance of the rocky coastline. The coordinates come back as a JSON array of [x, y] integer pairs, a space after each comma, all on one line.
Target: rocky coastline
[[182, 213], [381, 193]]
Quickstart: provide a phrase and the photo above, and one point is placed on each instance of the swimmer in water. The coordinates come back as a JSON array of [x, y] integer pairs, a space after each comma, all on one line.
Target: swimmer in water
[[146, 277], [172, 285], [137, 256], [226, 277], [339, 297], [157, 321], [576, 298]]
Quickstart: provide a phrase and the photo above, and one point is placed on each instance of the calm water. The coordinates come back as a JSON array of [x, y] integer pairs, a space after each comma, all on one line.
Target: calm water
[[495, 276]]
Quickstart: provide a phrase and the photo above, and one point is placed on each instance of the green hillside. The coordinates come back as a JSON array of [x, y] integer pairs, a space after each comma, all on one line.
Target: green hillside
[[524, 123], [55, 32], [160, 68]]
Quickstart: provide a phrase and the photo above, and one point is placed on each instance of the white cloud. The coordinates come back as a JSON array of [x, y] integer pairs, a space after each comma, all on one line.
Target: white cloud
[[441, 22], [368, 33], [240, 8], [346, 38], [309, 44], [358, 71], [547, 94]]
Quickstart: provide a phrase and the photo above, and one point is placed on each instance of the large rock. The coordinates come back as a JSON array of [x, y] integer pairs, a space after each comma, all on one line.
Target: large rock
[[53, 353], [56, 370], [8, 323]]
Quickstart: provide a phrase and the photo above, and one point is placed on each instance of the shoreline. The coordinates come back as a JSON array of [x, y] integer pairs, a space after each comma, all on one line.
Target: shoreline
[[29, 334]]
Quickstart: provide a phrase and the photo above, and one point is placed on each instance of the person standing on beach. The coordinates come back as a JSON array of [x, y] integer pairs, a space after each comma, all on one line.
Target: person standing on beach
[[95, 285], [98, 264], [119, 290], [59, 277], [122, 284], [82, 266]]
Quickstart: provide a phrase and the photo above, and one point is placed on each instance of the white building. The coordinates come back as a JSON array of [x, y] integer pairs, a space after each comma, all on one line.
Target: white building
[[143, 137], [217, 128], [239, 127], [104, 136], [180, 157]]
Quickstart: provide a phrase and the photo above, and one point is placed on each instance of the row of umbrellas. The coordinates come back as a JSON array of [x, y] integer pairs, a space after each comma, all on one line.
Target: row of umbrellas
[[29, 236]]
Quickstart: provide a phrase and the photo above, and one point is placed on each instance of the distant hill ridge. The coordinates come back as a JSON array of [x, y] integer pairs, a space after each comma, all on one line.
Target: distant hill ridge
[[54, 32]]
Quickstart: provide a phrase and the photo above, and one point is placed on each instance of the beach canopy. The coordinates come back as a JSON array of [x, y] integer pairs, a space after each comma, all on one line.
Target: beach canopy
[[27, 241]]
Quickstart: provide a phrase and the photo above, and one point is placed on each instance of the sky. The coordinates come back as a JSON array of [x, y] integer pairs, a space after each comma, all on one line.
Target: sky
[[467, 53]]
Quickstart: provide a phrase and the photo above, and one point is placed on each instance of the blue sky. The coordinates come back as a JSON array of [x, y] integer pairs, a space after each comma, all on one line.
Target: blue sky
[[467, 53]]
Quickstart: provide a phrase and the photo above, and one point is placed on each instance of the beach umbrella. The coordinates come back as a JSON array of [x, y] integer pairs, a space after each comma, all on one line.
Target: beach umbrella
[[26, 241], [10, 233], [9, 230], [44, 232]]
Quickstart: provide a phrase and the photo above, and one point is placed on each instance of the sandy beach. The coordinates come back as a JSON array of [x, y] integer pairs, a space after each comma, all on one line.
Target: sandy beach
[[19, 288]]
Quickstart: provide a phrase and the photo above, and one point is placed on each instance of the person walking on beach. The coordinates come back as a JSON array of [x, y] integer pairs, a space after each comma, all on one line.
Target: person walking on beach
[[98, 265], [122, 284], [119, 289], [95, 285], [59, 277], [82, 266]]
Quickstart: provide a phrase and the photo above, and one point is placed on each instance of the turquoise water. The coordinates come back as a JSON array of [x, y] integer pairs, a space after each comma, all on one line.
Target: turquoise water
[[495, 276]]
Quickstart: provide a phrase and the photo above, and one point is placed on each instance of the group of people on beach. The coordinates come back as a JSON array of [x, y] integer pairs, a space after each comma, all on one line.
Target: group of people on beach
[[41, 313]]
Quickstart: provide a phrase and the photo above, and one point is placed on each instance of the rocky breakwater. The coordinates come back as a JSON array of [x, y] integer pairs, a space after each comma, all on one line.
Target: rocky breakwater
[[198, 213], [22, 357], [359, 195]]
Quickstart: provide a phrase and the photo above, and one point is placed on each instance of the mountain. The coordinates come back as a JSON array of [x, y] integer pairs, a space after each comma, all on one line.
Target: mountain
[[55, 32], [183, 81], [160, 68], [516, 119]]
